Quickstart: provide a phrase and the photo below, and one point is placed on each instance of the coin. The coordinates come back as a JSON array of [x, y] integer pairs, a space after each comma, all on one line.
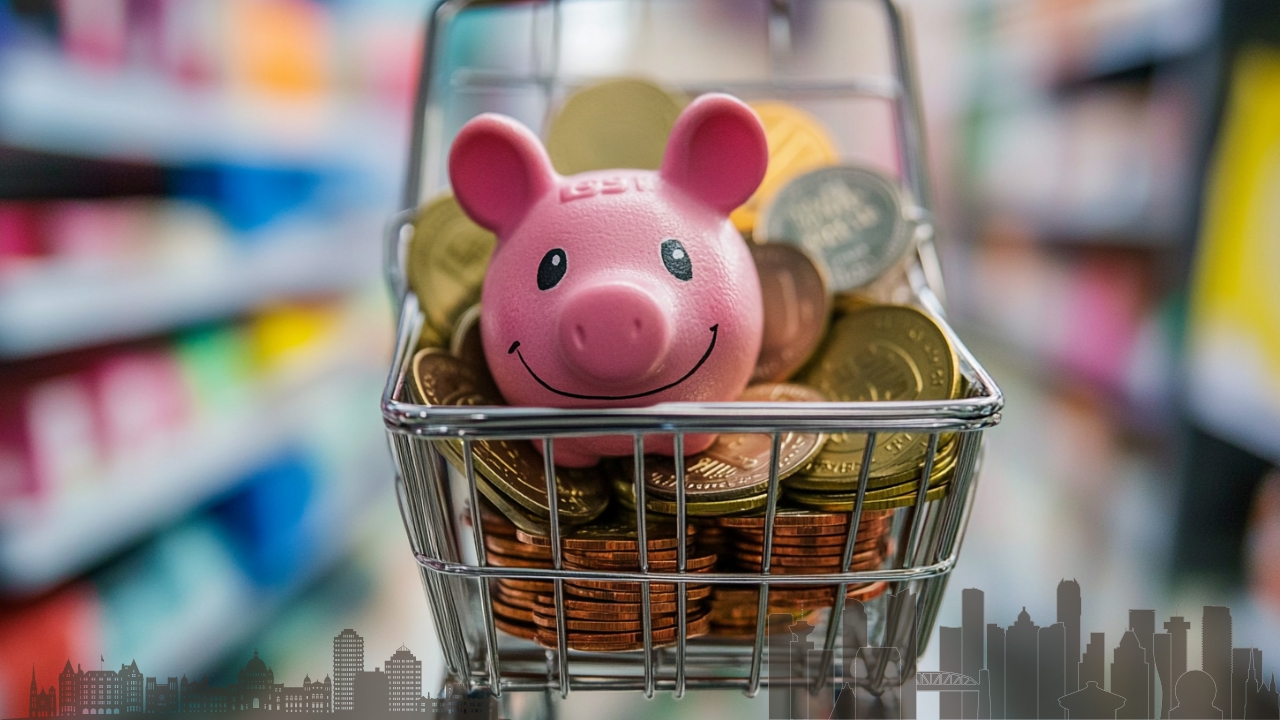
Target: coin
[[621, 642], [466, 344], [692, 564], [824, 501], [623, 586], [838, 473], [736, 464], [520, 630], [621, 123], [881, 353], [447, 260], [499, 544], [796, 307], [694, 592], [500, 560], [626, 497], [797, 144], [624, 611], [618, 556], [860, 544], [514, 468], [786, 517], [616, 531], [853, 220], [511, 612], [537, 587]]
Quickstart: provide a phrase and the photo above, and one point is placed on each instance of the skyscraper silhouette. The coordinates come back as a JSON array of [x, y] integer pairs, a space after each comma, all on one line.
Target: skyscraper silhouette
[[1091, 703], [1242, 661], [1177, 627], [1021, 651], [1143, 624], [973, 620], [800, 647], [1129, 677], [372, 694], [1069, 616], [1053, 673], [995, 664], [1215, 652], [1164, 672], [404, 680], [1093, 665], [950, 659], [348, 659]]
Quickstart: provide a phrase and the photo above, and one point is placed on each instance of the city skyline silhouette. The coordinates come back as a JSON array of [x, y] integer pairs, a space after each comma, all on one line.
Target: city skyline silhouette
[[351, 691], [1024, 670]]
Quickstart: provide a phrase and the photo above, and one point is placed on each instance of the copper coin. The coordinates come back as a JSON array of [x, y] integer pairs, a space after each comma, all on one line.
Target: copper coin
[[630, 587], [860, 544], [531, 586], [546, 605], [786, 517], [692, 564], [513, 595], [818, 570], [515, 548], [797, 304], [624, 611], [619, 642], [602, 626], [750, 560], [616, 531], [512, 612], [588, 557], [792, 594], [500, 560], [520, 630], [695, 592]]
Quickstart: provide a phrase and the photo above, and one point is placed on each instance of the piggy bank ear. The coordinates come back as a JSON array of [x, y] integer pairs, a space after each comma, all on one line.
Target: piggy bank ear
[[498, 170], [717, 152]]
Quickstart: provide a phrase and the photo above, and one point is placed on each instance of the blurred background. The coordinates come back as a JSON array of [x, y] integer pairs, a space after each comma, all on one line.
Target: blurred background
[[194, 334]]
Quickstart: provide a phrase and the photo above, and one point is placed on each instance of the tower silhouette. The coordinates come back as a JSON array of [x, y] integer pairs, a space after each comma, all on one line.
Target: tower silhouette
[[1129, 677], [1091, 702], [951, 659], [1177, 627], [1021, 651], [1242, 662], [1093, 665], [348, 659], [1164, 653], [1143, 624], [404, 680], [1069, 616], [972, 645], [995, 664], [1215, 652], [1052, 676]]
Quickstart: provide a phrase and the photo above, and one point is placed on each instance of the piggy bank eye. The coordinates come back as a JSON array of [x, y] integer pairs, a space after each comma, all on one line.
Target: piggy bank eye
[[676, 259], [551, 269]]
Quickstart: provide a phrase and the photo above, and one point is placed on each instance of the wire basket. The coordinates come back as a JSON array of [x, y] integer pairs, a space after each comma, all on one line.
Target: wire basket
[[528, 74]]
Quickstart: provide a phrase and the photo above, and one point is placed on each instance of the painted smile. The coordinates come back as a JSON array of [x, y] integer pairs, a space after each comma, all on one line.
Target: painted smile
[[515, 348]]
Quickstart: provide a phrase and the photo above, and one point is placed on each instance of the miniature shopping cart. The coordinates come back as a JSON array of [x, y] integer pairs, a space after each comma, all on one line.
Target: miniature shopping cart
[[522, 58]]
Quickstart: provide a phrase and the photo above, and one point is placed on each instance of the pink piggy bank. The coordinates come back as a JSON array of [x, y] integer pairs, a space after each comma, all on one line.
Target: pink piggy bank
[[617, 288]]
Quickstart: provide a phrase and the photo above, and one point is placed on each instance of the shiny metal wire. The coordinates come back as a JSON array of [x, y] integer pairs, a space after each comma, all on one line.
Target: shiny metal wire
[[435, 497]]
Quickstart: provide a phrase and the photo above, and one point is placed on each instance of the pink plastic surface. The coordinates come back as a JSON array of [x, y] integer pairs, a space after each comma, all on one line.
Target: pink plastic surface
[[617, 288]]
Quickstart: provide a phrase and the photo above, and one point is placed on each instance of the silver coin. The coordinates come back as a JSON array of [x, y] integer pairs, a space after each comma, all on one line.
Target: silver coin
[[853, 219]]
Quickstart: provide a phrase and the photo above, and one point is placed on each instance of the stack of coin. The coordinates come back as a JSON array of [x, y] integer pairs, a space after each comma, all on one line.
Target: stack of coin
[[513, 599], [607, 615]]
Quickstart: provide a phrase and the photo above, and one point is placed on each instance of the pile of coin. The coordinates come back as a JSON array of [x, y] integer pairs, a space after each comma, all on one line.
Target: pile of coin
[[829, 242], [605, 615]]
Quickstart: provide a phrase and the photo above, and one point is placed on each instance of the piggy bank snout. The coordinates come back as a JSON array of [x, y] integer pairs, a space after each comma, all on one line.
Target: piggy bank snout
[[614, 331]]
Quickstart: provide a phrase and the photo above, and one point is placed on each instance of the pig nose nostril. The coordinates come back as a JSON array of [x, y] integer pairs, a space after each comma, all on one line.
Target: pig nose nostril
[[580, 336]]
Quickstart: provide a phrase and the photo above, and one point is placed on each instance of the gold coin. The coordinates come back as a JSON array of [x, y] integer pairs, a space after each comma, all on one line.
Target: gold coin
[[626, 494], [839, 473], [466, 344], [514, 467], [448, 257], [797, 144], [620, 123], [881, 353], [736, 464], [796, 307], [825, 501]]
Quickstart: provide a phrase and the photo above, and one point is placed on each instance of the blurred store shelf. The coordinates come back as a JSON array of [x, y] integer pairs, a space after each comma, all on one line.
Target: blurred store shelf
[[57, 306], [47, 103], [43, 542]]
